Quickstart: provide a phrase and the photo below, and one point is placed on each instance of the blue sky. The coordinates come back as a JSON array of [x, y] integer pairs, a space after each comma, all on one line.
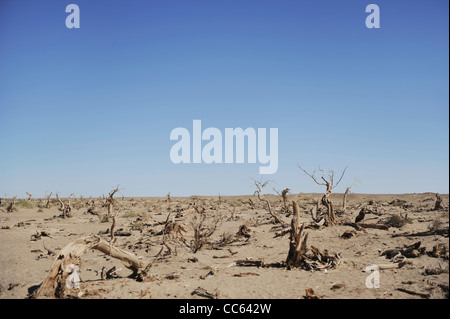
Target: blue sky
[[83, 110]]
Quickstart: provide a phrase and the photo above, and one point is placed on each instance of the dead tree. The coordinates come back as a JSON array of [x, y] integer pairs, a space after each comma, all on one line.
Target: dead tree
[[344, 200], [283, 195], [297, 244], [12, 206], [64, 209], [202, 231], [438, 205], [260, 186], [55, 286], [61, 204], [298, 256], [109, 201], [29, 196], [328, 182], [47, 204]]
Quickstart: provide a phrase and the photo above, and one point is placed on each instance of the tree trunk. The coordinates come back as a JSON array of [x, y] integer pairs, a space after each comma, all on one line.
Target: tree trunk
[[331, 217], [297, 245]]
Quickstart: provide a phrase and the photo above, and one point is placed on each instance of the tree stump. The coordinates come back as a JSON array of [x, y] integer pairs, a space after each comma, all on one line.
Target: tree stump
[[297, 245]]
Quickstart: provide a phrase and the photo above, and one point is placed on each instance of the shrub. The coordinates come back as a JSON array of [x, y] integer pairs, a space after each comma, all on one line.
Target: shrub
[[104, 218], [398, 221], [25, 204]]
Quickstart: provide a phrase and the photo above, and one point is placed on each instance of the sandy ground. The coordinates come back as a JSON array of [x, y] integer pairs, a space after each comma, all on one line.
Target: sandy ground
[[177, 271]]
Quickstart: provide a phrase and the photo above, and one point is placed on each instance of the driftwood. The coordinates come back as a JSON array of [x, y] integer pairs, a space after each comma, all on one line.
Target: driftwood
[[54, 286]]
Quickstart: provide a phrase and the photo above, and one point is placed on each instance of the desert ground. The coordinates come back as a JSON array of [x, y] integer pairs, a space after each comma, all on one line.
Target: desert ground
[[228, 247]]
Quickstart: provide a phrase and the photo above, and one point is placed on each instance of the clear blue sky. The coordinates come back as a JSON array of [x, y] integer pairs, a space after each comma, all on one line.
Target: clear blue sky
[[83, 110]]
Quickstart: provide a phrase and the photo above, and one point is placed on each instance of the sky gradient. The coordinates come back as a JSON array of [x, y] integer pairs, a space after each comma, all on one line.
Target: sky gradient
[[84, 110]]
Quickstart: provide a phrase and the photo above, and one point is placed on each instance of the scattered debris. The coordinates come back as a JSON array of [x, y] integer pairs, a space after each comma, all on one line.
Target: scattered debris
[[211, 272], [244, 231], [38, 235], [410, 251], [439, 251]]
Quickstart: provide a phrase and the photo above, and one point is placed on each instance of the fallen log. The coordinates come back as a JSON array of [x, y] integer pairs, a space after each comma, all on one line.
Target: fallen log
[[426, 296], [54, 285], [392, 266], [355, 226], [375, 226], [441, 232], [250, 263]]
